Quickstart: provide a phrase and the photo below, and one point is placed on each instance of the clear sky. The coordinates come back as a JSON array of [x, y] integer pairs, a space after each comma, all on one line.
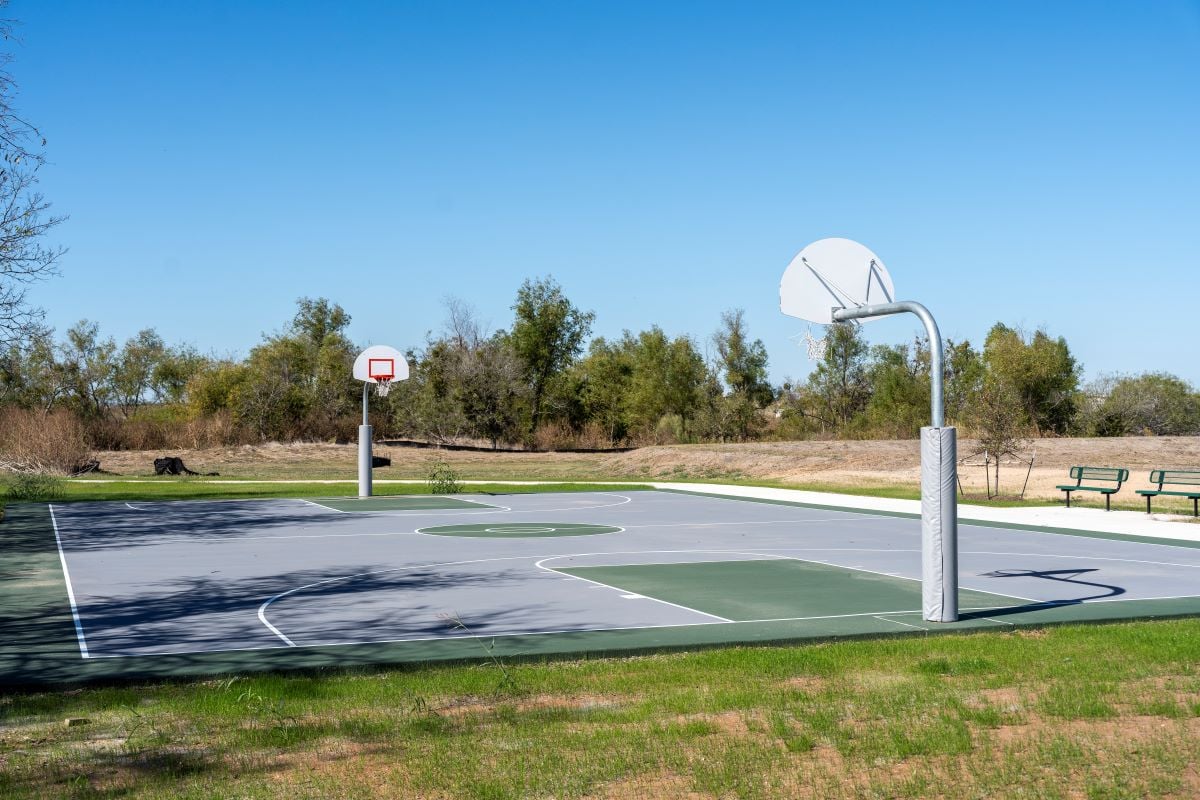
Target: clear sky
[[1031, 162]]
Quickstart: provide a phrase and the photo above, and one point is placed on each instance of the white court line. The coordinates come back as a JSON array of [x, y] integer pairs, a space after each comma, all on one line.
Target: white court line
[[759, 522], [905, 577], [538, 564], [262, 609], [1080, 558], [898, 622], [513, 634], [83, 650]]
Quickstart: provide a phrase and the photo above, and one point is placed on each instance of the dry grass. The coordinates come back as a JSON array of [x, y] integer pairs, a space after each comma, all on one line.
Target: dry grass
[[850, 464]]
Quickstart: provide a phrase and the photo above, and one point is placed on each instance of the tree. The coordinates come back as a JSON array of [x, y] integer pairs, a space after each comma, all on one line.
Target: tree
[[1041, 373], [839, 384], [899, 379], [88, 364], [604, 377], [133, 370], [744, 363], [965, 372], [489, 389], [1153, 403], [24, 220], [547, 335]]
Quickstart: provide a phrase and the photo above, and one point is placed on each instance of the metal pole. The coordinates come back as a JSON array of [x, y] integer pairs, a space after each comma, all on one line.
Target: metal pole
[[936, 357], [364, 450], [939, 474]]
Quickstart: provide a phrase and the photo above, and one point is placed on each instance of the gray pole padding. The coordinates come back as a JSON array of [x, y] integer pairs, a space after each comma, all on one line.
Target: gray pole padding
[[364, 451], [364, 460], [939, 524]]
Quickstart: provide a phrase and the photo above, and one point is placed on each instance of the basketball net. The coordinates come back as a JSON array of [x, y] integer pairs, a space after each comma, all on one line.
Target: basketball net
[[816, 346], [383, 386]]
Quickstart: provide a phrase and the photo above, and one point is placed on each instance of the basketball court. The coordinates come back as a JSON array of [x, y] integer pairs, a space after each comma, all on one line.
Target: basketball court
[[417, 578]]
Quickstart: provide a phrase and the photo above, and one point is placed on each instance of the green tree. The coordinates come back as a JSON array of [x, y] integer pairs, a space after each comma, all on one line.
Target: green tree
[[668, 379], [1041, 373], [1152, 403], [839, 388], [547, 335], [965, 373], [134, 368], [604, 378], [899, 379], [490, 390], [88, 364], [743, 363], [299, 383]]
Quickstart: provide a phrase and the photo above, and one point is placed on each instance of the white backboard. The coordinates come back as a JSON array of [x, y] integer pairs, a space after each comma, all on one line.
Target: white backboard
[[377, 356], [833, 273]]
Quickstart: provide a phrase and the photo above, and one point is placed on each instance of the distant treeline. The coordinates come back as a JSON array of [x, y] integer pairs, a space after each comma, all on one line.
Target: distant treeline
[[543, 382]]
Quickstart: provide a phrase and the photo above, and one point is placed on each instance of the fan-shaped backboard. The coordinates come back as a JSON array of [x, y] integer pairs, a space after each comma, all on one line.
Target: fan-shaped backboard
[[833, 273], [377, 361]]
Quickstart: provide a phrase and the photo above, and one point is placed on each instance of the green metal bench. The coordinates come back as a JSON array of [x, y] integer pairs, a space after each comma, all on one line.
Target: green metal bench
[[1108, 475], [1174, 477]]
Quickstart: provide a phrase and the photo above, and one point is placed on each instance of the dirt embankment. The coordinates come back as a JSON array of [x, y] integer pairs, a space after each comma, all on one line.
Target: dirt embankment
[[828, 463]]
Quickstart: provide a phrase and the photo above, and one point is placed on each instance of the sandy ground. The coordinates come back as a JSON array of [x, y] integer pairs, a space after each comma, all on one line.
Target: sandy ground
[[812, 463]]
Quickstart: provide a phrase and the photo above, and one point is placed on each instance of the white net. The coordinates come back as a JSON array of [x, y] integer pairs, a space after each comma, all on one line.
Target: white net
[[816, 346], [383, 386]]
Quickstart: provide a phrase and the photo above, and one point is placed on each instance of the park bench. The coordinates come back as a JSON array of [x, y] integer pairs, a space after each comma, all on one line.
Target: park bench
[[1094, 475], [1174, 477]]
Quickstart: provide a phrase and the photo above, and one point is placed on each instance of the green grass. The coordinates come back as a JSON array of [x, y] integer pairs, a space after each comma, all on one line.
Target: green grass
[[148, 489], [1095, 711]]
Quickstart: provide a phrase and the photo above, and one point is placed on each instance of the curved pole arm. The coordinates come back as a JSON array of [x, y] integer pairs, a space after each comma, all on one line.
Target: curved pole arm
[[937, 407]]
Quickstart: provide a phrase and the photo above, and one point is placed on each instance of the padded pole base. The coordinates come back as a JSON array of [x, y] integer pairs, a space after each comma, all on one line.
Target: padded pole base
[[364, 460], [939, 524]]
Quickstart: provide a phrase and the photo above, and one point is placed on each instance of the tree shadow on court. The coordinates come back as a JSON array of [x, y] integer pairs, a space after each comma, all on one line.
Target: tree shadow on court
[[1068, 576], [87, 527]]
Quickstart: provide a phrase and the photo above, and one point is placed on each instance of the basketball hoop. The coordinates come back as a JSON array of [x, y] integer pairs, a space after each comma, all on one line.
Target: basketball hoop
[[380, 365]]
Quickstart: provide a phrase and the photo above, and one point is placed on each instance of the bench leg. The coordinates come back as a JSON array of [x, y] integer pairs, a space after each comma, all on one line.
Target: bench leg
[[1108, 502], [1195, 510], [1068, 499], [1147, 504]]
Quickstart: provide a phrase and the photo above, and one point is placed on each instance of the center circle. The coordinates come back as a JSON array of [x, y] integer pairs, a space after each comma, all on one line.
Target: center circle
[[492, 530]]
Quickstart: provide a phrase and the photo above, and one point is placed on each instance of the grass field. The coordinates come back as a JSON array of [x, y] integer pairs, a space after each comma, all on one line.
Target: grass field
[[1070, 712]]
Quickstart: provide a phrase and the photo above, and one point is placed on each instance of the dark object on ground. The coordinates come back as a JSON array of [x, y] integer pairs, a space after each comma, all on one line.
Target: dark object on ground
[[1174, 477], [173, 465], [380, 461], [1107, 475], [85, 468]]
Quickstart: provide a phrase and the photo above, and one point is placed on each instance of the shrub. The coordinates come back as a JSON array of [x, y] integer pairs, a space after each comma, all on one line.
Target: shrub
[[29, 486], [442, 478], [37, 442]]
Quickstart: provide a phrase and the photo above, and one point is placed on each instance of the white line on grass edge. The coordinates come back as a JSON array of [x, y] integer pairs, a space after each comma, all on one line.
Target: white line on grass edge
[[62, 558]]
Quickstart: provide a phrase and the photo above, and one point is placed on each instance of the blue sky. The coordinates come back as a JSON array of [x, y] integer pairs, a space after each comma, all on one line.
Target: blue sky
[[1030, 162]]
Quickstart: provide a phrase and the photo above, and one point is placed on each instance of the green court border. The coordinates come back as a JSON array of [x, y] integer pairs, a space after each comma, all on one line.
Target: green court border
[[38, 646]]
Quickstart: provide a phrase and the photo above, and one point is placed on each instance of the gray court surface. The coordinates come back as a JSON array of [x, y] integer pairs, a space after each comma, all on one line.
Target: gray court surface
[[192, 577]]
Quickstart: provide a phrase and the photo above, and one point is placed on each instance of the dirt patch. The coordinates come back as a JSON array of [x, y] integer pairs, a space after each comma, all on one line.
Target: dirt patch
[[649, 787], [1006, 698], [851, 464], [470, 706], [808, 684]]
